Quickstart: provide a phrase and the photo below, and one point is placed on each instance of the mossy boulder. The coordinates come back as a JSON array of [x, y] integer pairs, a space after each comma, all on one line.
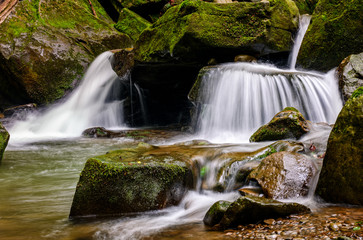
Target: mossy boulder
[[285, 175], [340, 179], [131, 24], [251, 209], [350, 72], [335, 32], [198, 31], [148, 9], [306, 6], [45, 47], [289, 123], [4, 139], [130, 180], [216, 212]]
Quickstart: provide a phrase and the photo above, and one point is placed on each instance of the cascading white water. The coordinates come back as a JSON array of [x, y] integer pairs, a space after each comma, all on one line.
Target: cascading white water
[[238, 98], [304, 21], [95, 102]]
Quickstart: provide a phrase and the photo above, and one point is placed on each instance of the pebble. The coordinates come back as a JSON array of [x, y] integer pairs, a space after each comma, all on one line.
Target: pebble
[[327, 223]]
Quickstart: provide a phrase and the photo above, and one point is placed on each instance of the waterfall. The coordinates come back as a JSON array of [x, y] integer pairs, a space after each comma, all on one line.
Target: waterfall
[[237, 98], [95, 102], [304, 22]]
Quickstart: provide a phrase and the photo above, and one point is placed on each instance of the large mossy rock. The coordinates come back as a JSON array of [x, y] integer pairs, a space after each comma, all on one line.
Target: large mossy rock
[[350, 72], [341, 179], [45, 47], [335, 32], [285, 175], [197, 31], [4, 139], [251, 209], [289, 123], [131, 180], [306, 6], [131, 24]]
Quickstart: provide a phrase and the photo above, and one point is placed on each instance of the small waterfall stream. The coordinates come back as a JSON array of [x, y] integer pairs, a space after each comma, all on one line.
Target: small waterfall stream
[[238, 98], [95, 102], [304, 22]]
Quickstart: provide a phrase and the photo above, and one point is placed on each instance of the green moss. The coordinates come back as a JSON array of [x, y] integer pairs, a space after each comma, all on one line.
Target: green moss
[[4, 139], [340, 178], [131, 24], [357, 93], [334, 33], [189, 29]]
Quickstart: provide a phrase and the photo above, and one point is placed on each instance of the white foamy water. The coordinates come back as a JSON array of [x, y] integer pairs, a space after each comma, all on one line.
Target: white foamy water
[[191, 210], [238, 98], [304, 22], [95, 102]]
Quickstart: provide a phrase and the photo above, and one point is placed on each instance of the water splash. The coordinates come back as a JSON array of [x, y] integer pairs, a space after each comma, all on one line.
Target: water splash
[[304, 22], [237, 98], [95, 102]]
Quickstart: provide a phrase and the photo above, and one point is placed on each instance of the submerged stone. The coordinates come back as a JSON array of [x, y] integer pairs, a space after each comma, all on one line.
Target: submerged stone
[[350, 72], [285, 175], [289, 123], [341, 179], [4, 139], [251, 209], [130, 180]]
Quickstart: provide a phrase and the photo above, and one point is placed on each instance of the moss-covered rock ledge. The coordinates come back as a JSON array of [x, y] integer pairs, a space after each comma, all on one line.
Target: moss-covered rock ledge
[[198, 30], [130, 180]]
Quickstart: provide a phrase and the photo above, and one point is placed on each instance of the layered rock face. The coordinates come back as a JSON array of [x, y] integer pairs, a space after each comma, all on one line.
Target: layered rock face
[[335, 32], [350, 72], [45, 47], [340, 179]]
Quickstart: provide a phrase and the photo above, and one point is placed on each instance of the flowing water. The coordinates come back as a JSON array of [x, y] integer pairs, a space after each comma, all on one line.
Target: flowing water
[[304, 21], [38, 177], [238, 98], [96, 102]]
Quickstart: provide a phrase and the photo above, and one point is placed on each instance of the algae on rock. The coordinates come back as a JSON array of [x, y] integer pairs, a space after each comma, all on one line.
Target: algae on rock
[[45, 47], [4, 139], [289, 123], [131, 24], [197, 31], [130, 180], [341, 179], [335, 32]]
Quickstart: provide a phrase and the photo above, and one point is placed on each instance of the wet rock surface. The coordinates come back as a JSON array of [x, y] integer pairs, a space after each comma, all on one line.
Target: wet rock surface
[[340, 179], [289, 123], [252, 209], [285, 175], [350, 72]]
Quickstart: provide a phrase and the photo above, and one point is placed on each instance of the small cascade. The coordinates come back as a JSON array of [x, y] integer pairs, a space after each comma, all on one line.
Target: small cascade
[[237, 98], [304, 22], [95, 102]]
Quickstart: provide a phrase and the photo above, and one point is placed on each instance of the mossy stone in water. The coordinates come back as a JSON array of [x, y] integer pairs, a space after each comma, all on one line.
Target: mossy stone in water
[[341, 179], [128, 181], [289, 123], [4, 139], [216, 212], [251, 209]]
